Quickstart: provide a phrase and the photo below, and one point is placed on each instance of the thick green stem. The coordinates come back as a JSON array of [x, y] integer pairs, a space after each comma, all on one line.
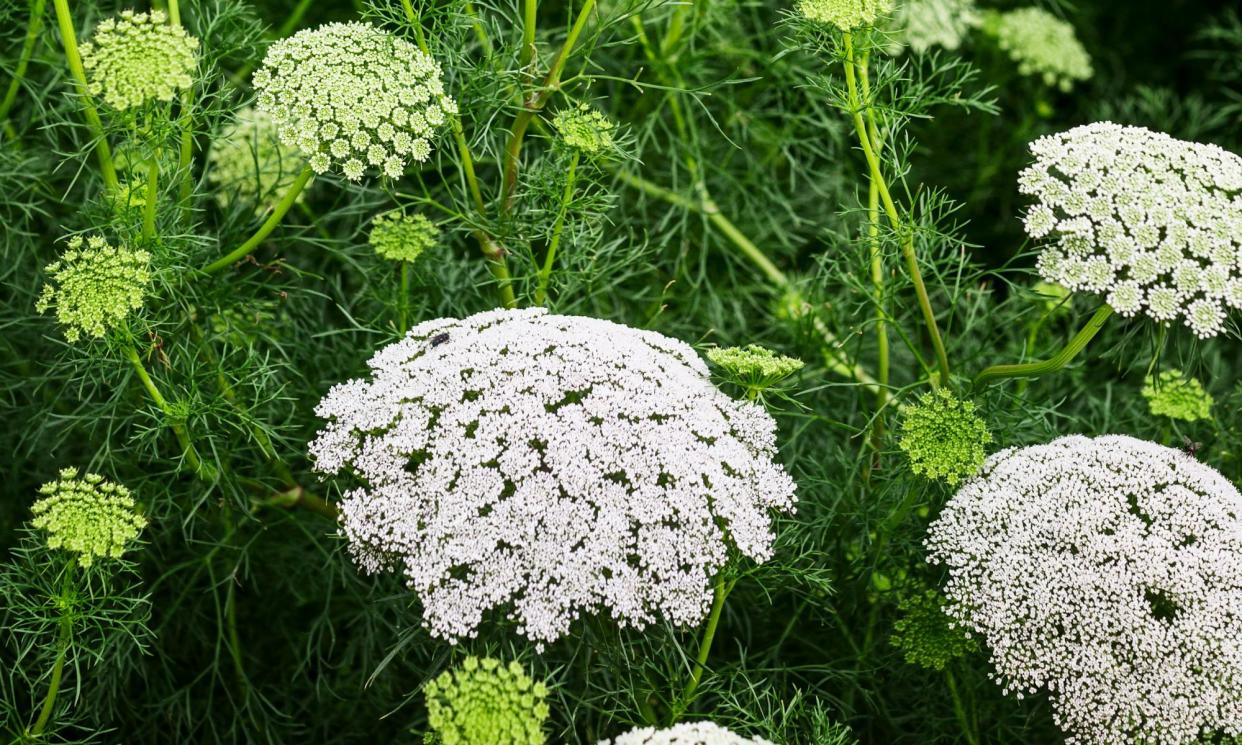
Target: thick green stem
[[535, 103], [529, 17], [64, 19], [719, 594], [858, 107], [1057, 361], [268, 226], [876, 256], [196, 465], [33, 29], [959, 710], [403, 300], [152, 197], [63, 639], [541, 290]]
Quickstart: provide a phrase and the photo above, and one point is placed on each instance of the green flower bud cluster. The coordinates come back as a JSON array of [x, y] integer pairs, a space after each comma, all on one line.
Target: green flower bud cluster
[[754, 366], [1177, 396], [943, 437], [88, 515], [846, 15], [94, 286], [354, 96], [397, 236], [250, 163], [1042, 45], [926, 635], [485, 702], [136, 58], [584, 129]]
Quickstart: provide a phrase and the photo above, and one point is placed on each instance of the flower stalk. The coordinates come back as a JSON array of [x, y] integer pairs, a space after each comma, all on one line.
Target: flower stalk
[[64, 637], [268, 226], [1057, 361], [64, 20], [33, 29], [545, 274]]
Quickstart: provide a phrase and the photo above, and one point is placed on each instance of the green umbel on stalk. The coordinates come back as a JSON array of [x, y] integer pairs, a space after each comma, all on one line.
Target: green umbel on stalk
[[88, 516], [485, 702], [943, 436], [1175, 395]]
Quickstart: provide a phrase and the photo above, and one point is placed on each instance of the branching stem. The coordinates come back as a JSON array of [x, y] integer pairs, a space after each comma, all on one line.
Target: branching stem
[[196, 465], [857, 109], [268, 226], [1057, 361]]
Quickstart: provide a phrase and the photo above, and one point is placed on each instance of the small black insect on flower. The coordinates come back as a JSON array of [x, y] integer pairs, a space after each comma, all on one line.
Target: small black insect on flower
[[439, 339], [1190, 447]]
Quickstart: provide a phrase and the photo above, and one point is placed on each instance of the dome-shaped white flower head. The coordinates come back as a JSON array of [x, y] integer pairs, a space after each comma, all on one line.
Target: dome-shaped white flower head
[[353, 96], [1108, 572], [687, 733], [1152, 223], [249, 162], [136, 58], [550, 467], [1042, 45]]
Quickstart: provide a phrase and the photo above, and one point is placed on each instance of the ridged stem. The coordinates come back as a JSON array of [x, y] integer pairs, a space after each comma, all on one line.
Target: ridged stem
[[1057, 361]]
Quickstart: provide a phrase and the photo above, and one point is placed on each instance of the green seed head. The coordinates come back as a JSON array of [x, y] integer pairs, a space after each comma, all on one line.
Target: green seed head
[[94, 286], [943, 437], [485, 702], [1176, 396], [88, 516], [584, 129], [399, 237], [846, 15], [136, 58]]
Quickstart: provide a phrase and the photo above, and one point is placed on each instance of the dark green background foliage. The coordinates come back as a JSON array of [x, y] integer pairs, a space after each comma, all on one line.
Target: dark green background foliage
[[262, 629]]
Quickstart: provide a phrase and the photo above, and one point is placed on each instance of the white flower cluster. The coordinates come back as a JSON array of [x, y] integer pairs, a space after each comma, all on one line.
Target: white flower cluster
[[353, 95], [689, 733], [923, 24], [551, 466], [136, 58], [1153, 223], [1107, 571]]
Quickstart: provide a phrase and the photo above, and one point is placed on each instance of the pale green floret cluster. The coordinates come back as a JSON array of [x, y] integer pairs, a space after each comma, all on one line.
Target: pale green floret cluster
[[1042, 45], [926, 635], [136, 58], [88, 516], [354, 97], [485, 702], [94, 286], [943, 437], [846, 15], [923, 24], [250, 163], [584, 129], [400, 237], [1177, 396], [753, 365]]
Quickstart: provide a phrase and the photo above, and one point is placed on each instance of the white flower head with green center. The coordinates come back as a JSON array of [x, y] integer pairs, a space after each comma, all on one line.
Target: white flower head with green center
[[1150, 222], [248, 162], [94, 287], [354, 98], [550, 467], [845, 15], [88, 516], [397, 236], [687, 733], [487, 702], [943, 436], [1042, 46], [1177, 396], [923, 24], [137, 58], [1106, 571], [584, 129]]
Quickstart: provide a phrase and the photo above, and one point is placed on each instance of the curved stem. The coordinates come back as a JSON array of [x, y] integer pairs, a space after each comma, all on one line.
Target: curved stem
[[33, 29], [1057, 361], [63, 638], [152, 196], [199, 468], [268, 226], [541, 290], [858, 107], [719, 594], [64, 20]]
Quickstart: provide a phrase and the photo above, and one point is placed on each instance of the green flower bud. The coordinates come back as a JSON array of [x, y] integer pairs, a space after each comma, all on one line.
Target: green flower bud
[[943, 437], [753, 366], [926, 634], [399, 237], [250, 163], [94, 287], [846, 15], [1041, 45], [485, 702], [1176, 396], [88, 516], [584, 129], [135, 58]]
